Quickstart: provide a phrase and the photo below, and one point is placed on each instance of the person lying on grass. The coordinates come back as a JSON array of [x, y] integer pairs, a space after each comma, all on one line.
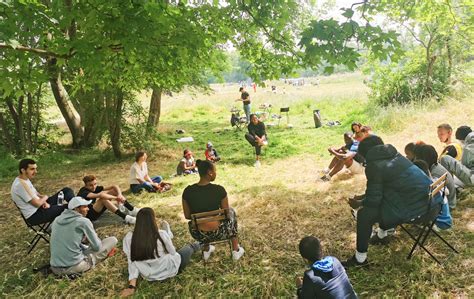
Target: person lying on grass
[[102, 198], [139, 178], [257, 136], [36, 207], [151, 253], [187, 165], [68, 254], [326, 278], [462, 170], [346, 156], [396, 192], [205, 197]]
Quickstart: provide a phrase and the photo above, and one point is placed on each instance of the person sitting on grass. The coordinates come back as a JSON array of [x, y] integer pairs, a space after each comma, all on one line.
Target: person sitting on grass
[[452, 148], [462, 170], [101, 200], [68, 254], [257, 136], [211, 153], [205, 197], [151, 253], [428, 154], [139, 178], [36, 207], [187, 165], [326, 278], [396, 192], [346, 156]]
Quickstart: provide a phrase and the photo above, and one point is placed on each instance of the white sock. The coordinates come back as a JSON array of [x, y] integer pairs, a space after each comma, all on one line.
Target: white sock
[[361, 256], [381, 233]]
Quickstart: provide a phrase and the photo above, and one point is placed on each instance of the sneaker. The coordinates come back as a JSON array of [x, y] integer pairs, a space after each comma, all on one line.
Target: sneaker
[[325, 171], [133, 212], [130, 219], [257, 164], [238, 254], [166, 227], [375, 240], [326, 178], [352, 262], [207, 254], [354, 213]]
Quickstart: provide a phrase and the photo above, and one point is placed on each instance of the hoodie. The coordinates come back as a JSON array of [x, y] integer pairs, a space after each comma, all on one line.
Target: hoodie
[[396, 186], [326, 279], [67, 232], [468, 152]]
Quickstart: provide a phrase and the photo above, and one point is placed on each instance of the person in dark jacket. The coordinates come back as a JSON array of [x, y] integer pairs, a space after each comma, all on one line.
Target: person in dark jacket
[[326, 278], [397, 191], [257, 136]]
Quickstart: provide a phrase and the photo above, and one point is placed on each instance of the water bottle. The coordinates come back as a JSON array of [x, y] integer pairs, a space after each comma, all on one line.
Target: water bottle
[[60, 198]]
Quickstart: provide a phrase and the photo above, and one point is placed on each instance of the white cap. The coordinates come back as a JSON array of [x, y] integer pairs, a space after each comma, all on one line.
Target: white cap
[[77, 202]]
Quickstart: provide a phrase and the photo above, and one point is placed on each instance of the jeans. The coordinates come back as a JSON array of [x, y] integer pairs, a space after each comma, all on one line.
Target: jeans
[[137, 188], [366, 218], [253, 142], [90, 260], [47, 215], [186, 252], [464, 174], [247, 112]]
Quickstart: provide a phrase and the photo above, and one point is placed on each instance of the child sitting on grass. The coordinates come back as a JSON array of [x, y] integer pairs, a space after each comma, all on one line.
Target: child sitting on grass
[[326, 278], [211, 153]]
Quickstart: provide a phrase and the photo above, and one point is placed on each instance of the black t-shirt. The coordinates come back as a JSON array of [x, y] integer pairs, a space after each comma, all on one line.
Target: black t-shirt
[[83, 192], [258, 129], [245, 97], [204, 198]]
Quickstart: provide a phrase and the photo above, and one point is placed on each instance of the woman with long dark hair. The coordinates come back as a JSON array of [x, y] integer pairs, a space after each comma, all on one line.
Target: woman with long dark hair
[[205, 197], [151, 253]]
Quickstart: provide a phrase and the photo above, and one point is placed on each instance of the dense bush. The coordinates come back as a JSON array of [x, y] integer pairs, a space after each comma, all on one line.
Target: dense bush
[[407, 81]]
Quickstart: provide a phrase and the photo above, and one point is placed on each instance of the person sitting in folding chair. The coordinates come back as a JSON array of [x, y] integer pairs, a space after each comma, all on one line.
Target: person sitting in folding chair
[[204, 197], [257, 136], [397, 191], [36, 207]]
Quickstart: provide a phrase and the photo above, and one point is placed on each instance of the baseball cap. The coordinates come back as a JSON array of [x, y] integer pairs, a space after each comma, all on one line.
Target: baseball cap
[[209, 144], [78, 201]]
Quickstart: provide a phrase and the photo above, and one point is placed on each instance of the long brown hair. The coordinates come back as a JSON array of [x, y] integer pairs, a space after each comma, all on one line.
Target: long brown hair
[[145, 235]]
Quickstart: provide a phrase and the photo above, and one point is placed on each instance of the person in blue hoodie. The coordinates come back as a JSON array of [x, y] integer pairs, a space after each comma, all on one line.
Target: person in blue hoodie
[[397, 191], [326, 278], [68, 254]]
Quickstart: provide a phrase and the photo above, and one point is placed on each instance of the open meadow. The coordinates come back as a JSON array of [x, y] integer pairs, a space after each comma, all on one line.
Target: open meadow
[[277, 204]]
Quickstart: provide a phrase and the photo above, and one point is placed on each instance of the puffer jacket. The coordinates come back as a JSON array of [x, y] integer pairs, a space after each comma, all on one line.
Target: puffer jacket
[[395, 185]]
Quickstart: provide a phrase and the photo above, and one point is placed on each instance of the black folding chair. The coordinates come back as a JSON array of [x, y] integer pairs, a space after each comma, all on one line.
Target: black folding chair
[[428, 220], [285, 110], [40, 231]]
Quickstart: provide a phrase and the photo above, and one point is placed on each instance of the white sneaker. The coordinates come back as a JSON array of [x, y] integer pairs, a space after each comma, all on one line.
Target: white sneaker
[[257, 163], [133, 212], [238, 254], [207, 254], [130, 219], [166, 227]]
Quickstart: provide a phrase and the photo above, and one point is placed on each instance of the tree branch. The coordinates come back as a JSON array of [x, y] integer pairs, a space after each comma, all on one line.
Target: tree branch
[[40, 52]]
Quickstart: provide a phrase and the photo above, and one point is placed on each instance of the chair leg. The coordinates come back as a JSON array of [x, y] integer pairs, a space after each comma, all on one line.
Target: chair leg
[[445, 242]]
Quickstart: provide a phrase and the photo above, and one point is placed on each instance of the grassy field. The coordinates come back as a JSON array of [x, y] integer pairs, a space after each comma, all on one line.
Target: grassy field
[[277, 204]]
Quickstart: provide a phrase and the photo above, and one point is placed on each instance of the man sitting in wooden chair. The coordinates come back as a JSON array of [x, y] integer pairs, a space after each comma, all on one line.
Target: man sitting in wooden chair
[[207, 197]]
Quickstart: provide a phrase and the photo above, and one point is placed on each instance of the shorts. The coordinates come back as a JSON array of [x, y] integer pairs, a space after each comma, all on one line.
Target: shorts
[[356, 167], [93, 215], [227, 229]]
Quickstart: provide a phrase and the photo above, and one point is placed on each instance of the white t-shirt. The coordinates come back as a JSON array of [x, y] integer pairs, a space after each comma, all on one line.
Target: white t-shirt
[[137, 172], [22, 193], [159, 268]]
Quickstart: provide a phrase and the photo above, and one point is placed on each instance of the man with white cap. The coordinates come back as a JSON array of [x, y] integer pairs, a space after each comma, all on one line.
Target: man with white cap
[[68, 254]]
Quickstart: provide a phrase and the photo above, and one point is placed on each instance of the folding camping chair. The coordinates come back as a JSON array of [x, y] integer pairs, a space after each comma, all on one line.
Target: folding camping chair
[[40, 231], [211, 216], [428, 220], [285, 110]]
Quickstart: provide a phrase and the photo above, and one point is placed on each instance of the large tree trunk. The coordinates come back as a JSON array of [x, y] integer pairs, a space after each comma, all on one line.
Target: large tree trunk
[[8, 139], [114, 105], [155, 108], [17, 116], [67, 110], [29, 122]]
